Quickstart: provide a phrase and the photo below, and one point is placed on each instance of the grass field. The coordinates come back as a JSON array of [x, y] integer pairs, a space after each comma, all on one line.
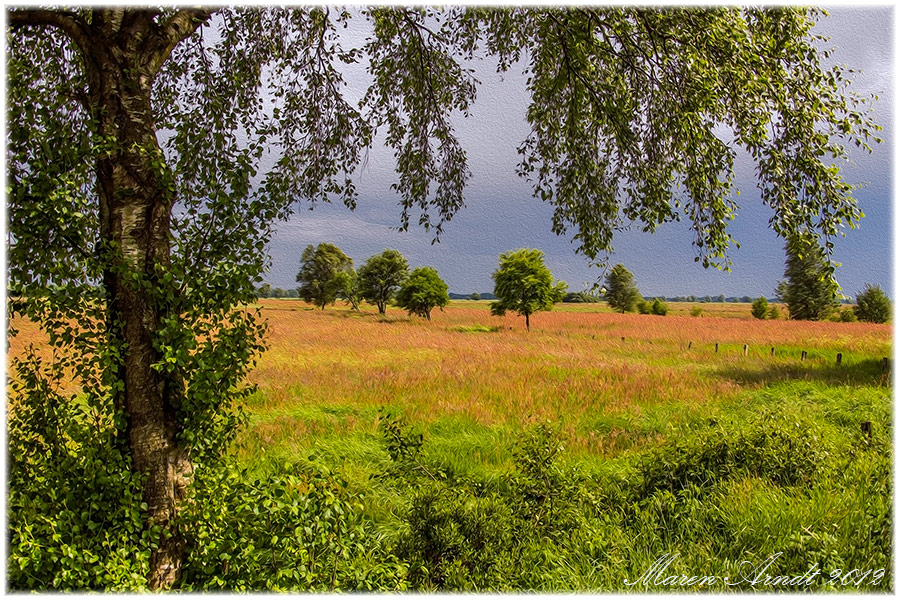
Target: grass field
[[716, 455], [575, 456], [472, 380]]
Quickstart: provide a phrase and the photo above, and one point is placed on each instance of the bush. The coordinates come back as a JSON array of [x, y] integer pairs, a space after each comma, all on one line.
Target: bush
[[773, 449], [847, 315], [74, 509], [296, 530], [774, 314], [644, 307], [466, 535], [873, 305], [659, 307], [581, 297], [760, 308], [696, 311]]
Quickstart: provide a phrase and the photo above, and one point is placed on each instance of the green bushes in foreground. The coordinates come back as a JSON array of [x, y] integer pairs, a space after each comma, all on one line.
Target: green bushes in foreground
[[799, 487]]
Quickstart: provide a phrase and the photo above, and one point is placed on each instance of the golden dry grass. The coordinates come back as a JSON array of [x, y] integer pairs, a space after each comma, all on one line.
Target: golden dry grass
[[572, 366], [327, 372]]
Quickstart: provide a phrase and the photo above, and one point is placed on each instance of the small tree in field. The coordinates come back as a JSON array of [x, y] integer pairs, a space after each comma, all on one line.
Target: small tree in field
[[381, 276], [873, 305], [422, 291], [320, 273], [350, 287], [808, 290], [760, 308], [523, 284], [621, 291]]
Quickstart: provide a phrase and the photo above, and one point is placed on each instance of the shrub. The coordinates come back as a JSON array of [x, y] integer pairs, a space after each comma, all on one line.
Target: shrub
[[659, 307], [696, 311], [465, 535], [760, 308], [772, 449], [294, 530], [644, 307], [774, 313], [847, 315], [873, 305], [74, 509]]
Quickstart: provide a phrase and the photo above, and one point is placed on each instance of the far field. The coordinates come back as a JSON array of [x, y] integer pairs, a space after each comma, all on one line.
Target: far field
[[472, 380]]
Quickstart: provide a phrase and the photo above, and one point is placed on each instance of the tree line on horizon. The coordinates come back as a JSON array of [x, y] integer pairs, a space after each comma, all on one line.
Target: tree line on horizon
[[524, 284]]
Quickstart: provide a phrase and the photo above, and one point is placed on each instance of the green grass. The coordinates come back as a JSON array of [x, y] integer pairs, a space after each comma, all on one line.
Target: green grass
[[719, 458]]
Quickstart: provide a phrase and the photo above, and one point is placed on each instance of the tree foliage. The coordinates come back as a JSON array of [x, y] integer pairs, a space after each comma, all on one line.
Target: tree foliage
[[380, 277], [322, 273], [621, 290], [349, 288], [422, 291], [150, 151], [659, 307], [808, 290], [760, 308], [523, 284], [873, 305]]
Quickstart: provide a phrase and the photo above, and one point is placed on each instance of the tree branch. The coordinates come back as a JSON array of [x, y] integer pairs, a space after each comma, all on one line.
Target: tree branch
[[179, 26], [68, 22]]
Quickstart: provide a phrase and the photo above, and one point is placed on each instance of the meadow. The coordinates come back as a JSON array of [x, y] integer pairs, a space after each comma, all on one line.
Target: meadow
[[597, 452], [681, 442]]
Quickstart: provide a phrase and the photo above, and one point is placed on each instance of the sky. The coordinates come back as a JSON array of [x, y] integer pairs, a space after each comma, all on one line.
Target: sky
[[501, 214]]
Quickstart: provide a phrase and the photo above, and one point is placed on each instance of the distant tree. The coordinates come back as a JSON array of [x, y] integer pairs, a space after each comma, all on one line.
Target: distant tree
[[581, 297], [422, 291], [692, 298], [720, 298], [350, 288], [475, 296], [621, 291], [278, 293], [847, 315], [265, 290], [746, 299], [760, 308], [291, 293], [380, 277], [873, 305], [319, 276], [523, 284], [659, 307], [808, 290]]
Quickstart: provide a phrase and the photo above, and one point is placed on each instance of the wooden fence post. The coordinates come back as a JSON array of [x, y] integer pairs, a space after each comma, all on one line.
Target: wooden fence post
[[803, 355], [839, 357], [717, 346], [866, 427], [745, 349]]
